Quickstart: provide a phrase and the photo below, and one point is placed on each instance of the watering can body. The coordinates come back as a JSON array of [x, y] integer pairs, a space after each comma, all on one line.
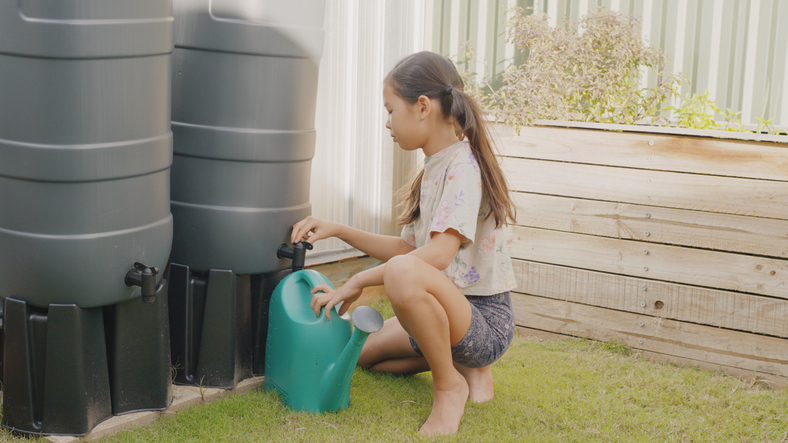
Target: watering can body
[[310, 360]]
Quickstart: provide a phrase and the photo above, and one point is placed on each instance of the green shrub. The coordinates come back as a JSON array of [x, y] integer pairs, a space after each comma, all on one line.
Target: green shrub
[[592, 71], [696, 111], [586, 72]]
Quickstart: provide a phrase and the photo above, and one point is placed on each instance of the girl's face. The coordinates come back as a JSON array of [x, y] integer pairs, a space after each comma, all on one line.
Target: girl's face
[[404, 120]]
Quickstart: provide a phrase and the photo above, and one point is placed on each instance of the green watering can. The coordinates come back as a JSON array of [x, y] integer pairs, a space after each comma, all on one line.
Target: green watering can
[[310, 360]]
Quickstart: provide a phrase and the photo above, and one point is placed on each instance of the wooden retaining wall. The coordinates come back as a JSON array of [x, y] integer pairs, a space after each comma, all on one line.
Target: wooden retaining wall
[[675, 245]]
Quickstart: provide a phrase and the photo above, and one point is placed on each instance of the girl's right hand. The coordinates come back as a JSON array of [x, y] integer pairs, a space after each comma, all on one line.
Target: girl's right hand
[[314, 226], [326, 296]]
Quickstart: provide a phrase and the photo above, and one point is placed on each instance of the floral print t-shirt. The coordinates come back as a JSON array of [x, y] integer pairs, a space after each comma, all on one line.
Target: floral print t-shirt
[[451, 197]]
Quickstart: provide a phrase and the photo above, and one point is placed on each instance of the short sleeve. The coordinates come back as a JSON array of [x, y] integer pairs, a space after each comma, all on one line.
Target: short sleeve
[[460, 200], [408, 234]]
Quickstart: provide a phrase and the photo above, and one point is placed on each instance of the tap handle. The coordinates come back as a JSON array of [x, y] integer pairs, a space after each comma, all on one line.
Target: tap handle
[[144, 277], [297, 253]]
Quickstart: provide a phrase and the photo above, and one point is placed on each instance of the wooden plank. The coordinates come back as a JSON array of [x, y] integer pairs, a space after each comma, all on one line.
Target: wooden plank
[[697, 267], [732, 158], [768, 380], [753, 377], [731, 310], [648, 129], [723, 232], [745, 351], [727, 195], [542, 335]]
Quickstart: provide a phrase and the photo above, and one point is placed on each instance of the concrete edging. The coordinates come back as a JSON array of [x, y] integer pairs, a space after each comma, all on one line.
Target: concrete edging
[[183, 397]]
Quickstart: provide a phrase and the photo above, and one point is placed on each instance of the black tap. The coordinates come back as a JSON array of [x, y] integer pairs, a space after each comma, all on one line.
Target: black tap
[[297, 253], [144, 277]]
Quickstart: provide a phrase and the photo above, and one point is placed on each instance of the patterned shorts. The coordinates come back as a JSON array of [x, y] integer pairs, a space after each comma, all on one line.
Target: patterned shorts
[[489, 335]]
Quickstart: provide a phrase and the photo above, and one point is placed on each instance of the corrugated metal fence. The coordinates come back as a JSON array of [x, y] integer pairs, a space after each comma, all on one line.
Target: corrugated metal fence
[[735, 49]]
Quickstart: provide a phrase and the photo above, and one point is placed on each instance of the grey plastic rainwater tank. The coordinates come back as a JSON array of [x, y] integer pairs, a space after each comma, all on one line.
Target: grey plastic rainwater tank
[[85, 147], [244, 91]]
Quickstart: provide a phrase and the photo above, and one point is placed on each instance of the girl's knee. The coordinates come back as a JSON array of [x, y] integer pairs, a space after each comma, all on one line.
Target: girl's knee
[[376, 349], [401, 264], [367, 357], [399, 275]]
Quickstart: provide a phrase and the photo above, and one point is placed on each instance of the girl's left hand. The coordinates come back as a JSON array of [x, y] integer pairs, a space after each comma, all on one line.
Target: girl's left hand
[[324, 295], [312, 229]]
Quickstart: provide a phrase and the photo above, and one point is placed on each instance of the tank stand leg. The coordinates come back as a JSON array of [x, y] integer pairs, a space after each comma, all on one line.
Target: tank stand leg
[[55, 376], [139, 357], [263, 286], [2, 342], [210, 326]]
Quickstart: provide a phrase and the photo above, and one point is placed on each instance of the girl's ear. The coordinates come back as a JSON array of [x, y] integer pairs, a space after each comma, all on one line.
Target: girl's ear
[[424, 106]]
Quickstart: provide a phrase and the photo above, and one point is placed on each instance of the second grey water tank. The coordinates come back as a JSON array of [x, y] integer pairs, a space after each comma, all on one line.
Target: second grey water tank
[[85, 147], [244, 92]]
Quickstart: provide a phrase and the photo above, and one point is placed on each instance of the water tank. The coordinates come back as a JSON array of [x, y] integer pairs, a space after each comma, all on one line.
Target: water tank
[[244, 91], [85, 147]]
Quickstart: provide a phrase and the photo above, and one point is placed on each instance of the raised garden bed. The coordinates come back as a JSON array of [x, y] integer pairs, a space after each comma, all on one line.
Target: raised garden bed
[[670, 241]]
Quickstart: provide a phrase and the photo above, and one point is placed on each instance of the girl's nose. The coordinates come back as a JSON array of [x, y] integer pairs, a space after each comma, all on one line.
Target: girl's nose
[[388, 123]]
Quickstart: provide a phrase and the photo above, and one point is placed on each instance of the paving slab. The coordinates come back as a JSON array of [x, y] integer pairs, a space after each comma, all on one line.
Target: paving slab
[[183, 397]]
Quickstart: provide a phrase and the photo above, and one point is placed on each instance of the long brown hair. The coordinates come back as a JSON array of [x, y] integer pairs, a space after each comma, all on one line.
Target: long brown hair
[[434, 76]]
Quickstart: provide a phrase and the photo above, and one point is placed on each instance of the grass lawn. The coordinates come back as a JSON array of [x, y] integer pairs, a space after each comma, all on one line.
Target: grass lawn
[[546, 391]]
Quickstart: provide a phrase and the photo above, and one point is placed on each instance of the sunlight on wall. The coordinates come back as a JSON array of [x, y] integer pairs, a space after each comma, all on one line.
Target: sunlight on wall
[[357, 168]]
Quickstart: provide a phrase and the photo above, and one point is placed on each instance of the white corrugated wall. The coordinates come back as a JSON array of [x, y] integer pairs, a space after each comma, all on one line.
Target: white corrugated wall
[[357, 168], [735, 49]]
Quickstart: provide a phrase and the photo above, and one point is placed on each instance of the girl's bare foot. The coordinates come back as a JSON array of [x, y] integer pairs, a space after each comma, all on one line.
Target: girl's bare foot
[[480, 382], [448, 406]]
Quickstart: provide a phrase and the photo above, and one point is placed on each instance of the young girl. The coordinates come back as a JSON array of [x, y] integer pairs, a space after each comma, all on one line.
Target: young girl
[[449, 275]]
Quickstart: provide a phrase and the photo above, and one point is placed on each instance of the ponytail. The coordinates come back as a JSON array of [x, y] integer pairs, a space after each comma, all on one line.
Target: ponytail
[[429, 74]]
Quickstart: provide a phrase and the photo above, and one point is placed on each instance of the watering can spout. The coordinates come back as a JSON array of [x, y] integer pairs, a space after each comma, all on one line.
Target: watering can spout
[[335, 386]]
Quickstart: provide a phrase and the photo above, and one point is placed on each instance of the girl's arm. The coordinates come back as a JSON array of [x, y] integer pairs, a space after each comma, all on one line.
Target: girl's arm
[[441, 249], [439, 252], [381, 247]]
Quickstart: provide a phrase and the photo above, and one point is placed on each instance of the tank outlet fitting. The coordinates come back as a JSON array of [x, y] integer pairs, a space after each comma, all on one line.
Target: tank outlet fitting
[[144, 277], [297, 253]]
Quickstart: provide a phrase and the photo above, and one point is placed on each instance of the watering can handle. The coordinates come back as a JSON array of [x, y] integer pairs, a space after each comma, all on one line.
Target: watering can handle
[[312, 278]]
